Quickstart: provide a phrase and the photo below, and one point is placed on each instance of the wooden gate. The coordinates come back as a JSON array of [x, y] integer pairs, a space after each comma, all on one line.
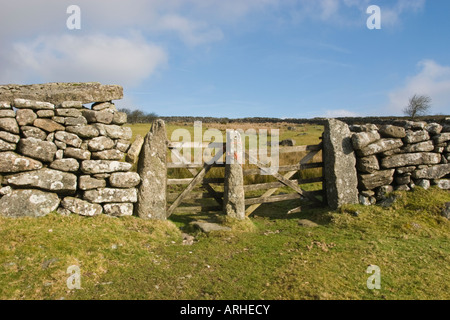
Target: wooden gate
[[306, 162], [212, 186]]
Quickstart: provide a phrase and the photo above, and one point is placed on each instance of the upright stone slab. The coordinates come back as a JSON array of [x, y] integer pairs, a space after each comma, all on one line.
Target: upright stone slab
[[135, 149], [234, 196], [152, 169], [341, 182]]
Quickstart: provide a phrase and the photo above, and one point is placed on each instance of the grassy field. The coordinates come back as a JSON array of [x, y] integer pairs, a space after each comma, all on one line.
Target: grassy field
[[269, 256], [301, 133]]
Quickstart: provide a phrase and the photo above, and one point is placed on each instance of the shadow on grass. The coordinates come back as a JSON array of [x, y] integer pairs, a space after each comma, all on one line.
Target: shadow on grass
[[279, 211], [183, 220], [272, 211]]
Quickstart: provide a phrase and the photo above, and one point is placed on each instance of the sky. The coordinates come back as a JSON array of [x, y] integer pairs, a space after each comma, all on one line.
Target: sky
[[236, 58]]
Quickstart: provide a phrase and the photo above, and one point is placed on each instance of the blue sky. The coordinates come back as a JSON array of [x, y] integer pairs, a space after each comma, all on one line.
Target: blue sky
[[247, 58]]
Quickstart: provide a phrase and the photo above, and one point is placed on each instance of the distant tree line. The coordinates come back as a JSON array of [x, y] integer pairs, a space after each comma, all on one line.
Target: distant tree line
[[139, 116]]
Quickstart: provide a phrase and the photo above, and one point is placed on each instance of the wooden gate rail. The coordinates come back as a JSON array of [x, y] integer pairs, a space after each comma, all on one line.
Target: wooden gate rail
[[304, 148], [191, 165], [284, 180], [295, 167], [279, 197], [270, 185], [195, 145], [199, 177], [197, 209], [172, 196], [188, 180], [199, 172]]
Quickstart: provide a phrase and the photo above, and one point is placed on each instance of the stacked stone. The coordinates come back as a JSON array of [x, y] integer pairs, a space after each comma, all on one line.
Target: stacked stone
[[400, 156], [65, 157]]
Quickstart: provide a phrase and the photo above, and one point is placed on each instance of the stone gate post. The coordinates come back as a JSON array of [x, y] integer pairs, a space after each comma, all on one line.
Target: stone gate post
[[234, 196], [341, 181], [152, 168]]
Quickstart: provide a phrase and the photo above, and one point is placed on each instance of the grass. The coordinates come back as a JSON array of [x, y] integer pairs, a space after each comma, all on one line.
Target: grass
[[268, 257]]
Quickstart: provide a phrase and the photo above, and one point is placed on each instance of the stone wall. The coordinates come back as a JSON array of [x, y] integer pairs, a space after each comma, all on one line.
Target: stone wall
[[400, 156], [58, 154]]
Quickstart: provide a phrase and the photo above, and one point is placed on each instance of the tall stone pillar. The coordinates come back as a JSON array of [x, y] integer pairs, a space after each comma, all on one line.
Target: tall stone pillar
[[341, 181], [152, 168], [234, 196]]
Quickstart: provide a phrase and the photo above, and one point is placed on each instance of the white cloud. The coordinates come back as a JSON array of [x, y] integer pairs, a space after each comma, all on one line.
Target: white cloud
[[328, 8], [229, 10], [191, 32], [37, 46], [340, 113], [433, 80], [101, 58], [391, 15]]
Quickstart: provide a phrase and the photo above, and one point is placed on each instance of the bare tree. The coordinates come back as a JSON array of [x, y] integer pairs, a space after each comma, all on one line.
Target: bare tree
[[418, 106]]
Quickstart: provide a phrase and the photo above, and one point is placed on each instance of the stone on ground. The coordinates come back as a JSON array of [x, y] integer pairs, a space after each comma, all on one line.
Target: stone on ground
[[208, 227]]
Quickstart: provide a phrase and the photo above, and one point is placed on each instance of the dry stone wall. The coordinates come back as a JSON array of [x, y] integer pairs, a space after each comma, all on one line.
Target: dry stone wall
[[58, 154], [400, 156]]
